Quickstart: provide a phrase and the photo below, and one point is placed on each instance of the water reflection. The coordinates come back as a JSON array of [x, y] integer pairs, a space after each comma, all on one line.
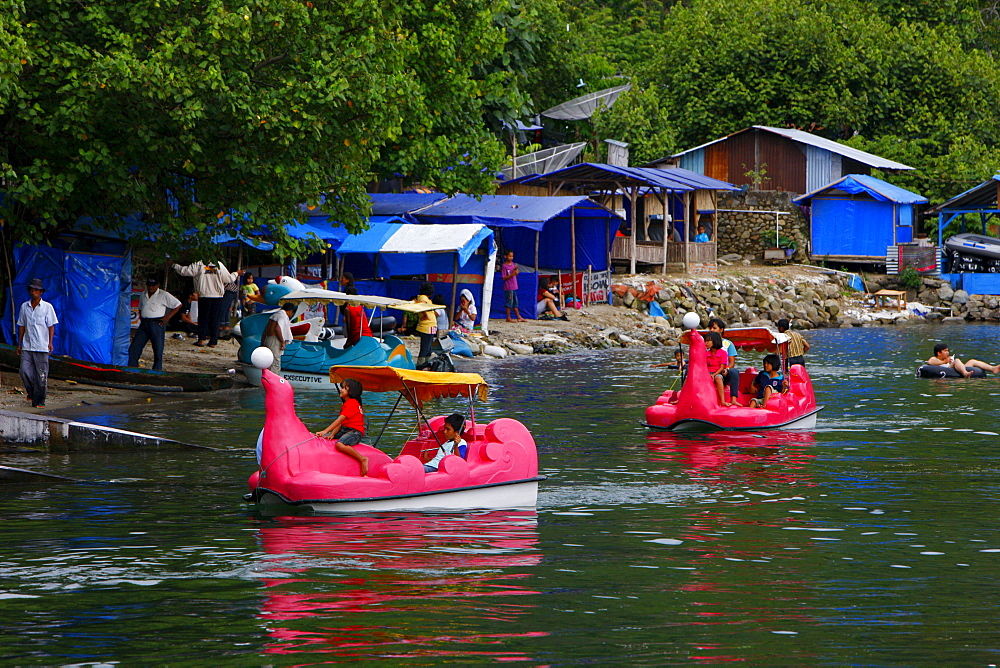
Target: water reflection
[[398, 584], [779, 457]]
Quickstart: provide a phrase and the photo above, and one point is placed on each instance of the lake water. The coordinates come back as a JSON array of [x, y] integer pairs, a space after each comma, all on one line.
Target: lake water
[[873, 540]]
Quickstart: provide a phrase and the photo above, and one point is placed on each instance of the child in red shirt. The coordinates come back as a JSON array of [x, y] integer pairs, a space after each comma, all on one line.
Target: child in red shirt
[[349, 426], [718, 363]]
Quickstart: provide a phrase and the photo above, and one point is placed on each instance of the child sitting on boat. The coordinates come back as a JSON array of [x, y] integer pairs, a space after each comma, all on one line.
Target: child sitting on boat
[[349, 427], [768, 381], [453, 444], [718, 364]]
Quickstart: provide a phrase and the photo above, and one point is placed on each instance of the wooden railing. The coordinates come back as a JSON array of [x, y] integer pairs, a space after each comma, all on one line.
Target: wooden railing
[[652, 252]]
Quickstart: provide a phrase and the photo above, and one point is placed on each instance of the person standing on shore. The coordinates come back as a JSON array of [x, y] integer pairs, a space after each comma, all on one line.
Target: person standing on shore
[[509, 272], [210, 281], [278, 333], [426, 325], [797, 346], [156, 308], [36, 328]]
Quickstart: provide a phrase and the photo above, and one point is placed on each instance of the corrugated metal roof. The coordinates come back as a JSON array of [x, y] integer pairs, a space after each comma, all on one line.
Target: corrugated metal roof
[[863, 157], [494, 209], [983, 196], [596, 174], [396, 204], [876, 188]]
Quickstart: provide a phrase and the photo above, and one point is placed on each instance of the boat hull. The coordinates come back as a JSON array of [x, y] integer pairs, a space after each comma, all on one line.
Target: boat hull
[[695, 425], [974, 244], [124, 378], [513, 495]]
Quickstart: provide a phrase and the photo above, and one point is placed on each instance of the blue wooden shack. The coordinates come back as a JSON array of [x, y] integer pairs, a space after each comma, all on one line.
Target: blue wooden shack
[[857, 217]]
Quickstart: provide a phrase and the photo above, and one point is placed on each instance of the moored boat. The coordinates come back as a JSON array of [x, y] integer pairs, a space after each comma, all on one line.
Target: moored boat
[[695, 407], [297, 468], [122, 377], [306, 361], [974, 244]]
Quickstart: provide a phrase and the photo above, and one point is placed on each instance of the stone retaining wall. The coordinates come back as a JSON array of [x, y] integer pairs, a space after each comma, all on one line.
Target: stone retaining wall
[[746, 231]]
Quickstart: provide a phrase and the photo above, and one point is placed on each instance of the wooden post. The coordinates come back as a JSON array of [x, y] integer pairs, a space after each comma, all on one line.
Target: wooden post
[[572, 249], [666, 227], [687, 234], [635, 228], [590, 282], [538, 234]]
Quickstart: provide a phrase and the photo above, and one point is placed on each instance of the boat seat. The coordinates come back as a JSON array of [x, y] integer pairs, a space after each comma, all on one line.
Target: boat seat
[[747, 377]]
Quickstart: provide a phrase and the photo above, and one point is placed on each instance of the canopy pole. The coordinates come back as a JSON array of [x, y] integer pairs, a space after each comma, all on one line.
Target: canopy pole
[[590, 282], [472, 413], [572, 247], [454, 288], [559, 291], [386, 423]]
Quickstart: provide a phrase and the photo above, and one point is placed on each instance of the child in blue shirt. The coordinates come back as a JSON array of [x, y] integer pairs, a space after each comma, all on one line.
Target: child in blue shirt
[[768, 381], [453, 444]]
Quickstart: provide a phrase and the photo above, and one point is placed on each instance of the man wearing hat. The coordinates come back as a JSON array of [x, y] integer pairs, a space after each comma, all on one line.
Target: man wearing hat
[[36, 328], [156, 308], [278, 333]]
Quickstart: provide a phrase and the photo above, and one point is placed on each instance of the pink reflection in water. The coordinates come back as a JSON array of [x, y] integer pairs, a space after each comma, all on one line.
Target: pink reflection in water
[[426, 582], [768, 457]]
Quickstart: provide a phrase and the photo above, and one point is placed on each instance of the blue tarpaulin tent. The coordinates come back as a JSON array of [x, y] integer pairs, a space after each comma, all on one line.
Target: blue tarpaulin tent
[[395, 249], [90, 291], [858, 217]]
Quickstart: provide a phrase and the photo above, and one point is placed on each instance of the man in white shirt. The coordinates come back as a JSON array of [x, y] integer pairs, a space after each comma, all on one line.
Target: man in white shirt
[[278, 333], [210, 281], [36, 326], [156, 308]]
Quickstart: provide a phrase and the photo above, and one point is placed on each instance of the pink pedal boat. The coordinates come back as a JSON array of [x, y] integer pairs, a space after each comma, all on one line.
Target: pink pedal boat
[[695, 407], [297, 468]]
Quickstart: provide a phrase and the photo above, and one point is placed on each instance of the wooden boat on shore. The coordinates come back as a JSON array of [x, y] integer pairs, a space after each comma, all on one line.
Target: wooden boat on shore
[[121, 377]]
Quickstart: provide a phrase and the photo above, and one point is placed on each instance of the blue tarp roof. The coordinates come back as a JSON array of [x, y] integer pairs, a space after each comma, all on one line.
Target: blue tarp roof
[[978, 198], [510, 210], [394, 204], [592, 174], [856, 184]]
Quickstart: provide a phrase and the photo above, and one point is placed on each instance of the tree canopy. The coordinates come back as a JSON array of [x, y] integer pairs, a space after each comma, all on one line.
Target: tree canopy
[[186, 111]]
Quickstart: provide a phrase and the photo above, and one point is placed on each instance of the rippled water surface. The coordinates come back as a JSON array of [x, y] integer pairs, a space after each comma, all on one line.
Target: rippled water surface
[[873, 540]]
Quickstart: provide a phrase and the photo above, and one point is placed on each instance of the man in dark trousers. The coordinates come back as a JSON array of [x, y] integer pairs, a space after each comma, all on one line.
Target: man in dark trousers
[[156, 308], [36, 327]]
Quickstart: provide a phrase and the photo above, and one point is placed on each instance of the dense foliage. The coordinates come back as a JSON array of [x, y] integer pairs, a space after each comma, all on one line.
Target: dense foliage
[[188, 110], [184, 110]]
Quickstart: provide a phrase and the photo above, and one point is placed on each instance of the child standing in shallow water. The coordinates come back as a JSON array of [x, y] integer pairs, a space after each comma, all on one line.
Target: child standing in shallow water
[[349, 427]]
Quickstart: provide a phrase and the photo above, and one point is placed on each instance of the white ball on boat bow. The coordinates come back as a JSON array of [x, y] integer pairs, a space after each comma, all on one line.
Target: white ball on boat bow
[[262, 357], [691, 320]]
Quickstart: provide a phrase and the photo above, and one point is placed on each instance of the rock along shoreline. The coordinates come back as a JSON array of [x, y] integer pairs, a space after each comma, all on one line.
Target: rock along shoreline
[[811, 297]]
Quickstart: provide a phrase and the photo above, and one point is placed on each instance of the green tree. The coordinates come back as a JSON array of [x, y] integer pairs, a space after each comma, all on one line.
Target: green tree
[[183, 110]]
